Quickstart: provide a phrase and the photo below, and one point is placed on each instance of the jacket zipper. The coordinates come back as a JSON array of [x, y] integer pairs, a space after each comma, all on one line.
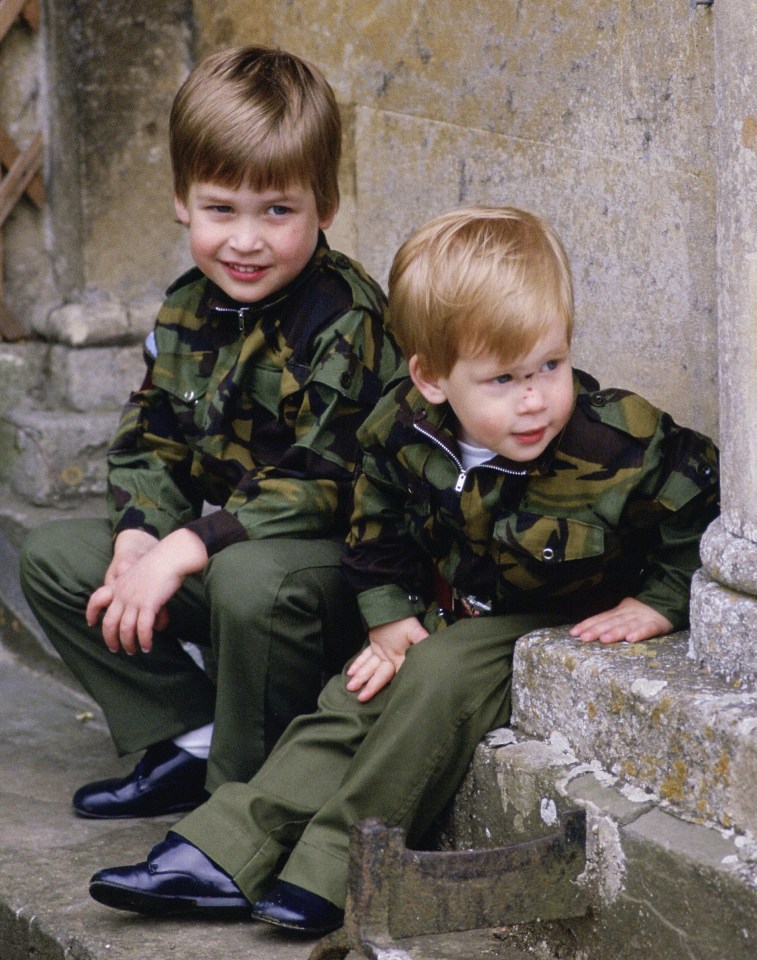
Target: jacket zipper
[[241, 313], [462, 472]]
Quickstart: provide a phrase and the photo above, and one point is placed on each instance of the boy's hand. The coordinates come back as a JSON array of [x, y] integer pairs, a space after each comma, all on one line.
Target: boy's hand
[[134, 601], [379, 662], [631, 621], [128, 547]]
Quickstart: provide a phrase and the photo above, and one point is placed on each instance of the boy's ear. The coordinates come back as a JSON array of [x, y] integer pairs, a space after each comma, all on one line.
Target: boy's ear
[[325, 222], [427, 384], [182, 214]]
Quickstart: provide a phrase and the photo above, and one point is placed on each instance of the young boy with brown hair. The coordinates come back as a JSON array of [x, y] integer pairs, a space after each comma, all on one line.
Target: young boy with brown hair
[[264, 361], [501, 491]]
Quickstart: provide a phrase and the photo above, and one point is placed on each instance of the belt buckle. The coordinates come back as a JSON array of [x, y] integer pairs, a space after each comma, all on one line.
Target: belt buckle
[[473, 606]]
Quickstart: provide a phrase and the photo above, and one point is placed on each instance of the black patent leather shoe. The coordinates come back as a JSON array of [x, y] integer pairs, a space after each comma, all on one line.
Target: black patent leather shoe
[[177, 877], [286, 905], [166, 780]]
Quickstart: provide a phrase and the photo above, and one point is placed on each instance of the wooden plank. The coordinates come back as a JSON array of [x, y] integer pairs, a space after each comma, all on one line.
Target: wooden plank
[[22, 176], [32, 13], [9, 11], [8, 154], [15, 182], [10, 327]]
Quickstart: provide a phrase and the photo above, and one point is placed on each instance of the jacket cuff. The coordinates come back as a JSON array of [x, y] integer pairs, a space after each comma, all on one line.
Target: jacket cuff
[[388, 603], [218, 530], [671, 605]]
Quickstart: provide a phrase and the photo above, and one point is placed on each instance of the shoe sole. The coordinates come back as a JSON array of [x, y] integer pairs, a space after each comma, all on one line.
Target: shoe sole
[[305, 931], [168, 811], [122, 898]]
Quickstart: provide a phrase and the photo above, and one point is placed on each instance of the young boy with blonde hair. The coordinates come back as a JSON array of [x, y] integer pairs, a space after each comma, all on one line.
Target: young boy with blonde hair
[[501, 491], [264, 361]]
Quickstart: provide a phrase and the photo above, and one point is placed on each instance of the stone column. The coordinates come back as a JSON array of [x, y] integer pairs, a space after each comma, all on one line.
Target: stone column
[[724, 598]]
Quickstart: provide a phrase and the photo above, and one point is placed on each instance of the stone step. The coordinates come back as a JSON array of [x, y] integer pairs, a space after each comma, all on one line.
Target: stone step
[[49, 458], [60, 378], [21, 634], [658, 886], [649, 715], [658, 752]]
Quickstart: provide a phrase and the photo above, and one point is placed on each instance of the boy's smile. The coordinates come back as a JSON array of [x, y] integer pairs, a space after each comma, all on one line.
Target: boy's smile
[[251, 243], [515, 408]]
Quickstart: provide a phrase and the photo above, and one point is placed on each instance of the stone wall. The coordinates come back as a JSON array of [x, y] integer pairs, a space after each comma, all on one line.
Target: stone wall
[[598, 115], [113, 68], [98, 80]]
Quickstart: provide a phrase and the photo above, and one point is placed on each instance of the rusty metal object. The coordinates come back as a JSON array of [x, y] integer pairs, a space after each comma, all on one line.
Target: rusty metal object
[[395, 893]]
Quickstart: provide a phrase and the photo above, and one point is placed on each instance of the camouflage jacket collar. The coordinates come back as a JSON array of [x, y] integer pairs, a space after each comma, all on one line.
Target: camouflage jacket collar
[[216, 301], [437, 423]]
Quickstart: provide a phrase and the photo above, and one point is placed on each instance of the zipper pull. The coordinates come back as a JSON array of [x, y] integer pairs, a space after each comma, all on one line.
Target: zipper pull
[[242, 314], [461, 478]]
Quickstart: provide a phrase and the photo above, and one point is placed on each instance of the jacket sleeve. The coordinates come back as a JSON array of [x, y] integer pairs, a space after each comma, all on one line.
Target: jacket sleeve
[[381, 561], [149, 466], [686, 499]]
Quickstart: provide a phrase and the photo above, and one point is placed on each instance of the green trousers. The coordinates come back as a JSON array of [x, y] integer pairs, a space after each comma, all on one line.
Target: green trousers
[[400, 757], [278, 615]]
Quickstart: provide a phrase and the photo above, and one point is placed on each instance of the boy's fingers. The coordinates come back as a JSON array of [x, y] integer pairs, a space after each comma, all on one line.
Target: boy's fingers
[[378, 681], [145, 623], [97, 603], [360, 674], [127, 631], [358, 662]]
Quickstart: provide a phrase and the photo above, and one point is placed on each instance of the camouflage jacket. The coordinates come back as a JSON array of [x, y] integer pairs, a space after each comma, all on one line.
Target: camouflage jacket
[[615, 507], [253, 407]]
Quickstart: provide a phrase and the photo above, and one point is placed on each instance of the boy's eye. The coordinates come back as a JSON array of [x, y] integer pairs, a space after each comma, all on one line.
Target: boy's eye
[[551, 364], [219, 208], [278, 210], [503, 378]]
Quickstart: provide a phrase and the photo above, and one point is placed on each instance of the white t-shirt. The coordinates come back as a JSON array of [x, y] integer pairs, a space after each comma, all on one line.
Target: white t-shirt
[[473, 456]]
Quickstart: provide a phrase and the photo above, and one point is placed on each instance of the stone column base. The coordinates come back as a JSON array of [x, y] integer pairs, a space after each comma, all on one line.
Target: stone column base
[[724, 606]]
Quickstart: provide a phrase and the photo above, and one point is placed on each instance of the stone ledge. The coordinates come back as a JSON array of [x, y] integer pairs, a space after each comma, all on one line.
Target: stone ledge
[[49, 457], [21, 634], [649, 715], [659, 886], [98, 323]]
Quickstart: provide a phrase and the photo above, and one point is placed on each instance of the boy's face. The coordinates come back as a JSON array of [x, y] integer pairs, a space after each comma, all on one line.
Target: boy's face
[[251, 243], [515, 409]]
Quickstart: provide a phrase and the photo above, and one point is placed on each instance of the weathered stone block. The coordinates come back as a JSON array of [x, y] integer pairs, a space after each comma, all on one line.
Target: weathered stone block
[[21, 372], [723, 629], [55, 458], [729, 559], [656, 884], [614, 75], [683, 895], [96, 324], [508, 795], [97, 378], [648, 715]]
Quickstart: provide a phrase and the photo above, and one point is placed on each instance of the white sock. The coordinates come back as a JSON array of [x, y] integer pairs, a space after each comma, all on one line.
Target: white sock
[[196, 742]]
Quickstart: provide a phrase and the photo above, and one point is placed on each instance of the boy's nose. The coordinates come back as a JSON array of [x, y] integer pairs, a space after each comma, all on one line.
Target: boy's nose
[[246, 237], [532, 398]]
